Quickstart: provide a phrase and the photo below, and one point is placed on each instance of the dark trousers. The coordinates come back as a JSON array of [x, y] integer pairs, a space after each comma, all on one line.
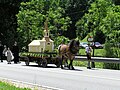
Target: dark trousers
[[89, 58], [1, 57], [16, 58]]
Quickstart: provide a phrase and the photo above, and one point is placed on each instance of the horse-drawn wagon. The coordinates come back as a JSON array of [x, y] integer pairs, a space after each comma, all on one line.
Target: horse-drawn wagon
[[41, 52], [42, 59]]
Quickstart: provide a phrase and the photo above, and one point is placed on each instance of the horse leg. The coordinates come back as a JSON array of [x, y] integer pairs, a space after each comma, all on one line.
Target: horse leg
[[61, 61], [71, 66], [66, 63]]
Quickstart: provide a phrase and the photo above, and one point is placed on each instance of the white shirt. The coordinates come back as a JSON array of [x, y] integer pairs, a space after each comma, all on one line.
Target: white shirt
[[88, 49]]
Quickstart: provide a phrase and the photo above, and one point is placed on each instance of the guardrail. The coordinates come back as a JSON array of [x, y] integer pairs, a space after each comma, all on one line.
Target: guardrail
[[99, 59]]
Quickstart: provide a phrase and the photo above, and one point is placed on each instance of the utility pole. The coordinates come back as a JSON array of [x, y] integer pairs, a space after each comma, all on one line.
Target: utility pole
[[93, 63]]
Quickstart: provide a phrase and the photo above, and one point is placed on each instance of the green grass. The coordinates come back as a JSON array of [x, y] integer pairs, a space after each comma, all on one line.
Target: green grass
[[97, 52], [80, 63], [6, 86], [84, 64]]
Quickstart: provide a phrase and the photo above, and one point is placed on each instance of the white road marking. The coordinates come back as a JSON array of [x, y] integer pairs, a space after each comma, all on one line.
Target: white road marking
[[31, 84]]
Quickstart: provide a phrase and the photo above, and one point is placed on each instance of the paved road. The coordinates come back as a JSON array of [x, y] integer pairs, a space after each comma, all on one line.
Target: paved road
[[79, 79]]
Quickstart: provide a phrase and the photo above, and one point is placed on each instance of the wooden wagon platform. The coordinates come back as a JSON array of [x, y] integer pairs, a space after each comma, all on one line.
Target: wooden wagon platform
[[42, 59]]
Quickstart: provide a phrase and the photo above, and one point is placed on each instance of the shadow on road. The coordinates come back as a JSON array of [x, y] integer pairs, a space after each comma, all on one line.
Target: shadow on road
[[52, 67], [72, 70], [40, 66], [94, 69]]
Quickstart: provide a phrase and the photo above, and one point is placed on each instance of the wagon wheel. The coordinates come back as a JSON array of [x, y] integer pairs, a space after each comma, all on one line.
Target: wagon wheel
[[57, 63], [39, 62], [27, 61], [44, 62]]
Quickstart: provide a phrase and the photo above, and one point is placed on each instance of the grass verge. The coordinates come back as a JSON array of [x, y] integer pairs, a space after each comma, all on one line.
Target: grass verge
[[9, 86], [97, 52], [85, 63]]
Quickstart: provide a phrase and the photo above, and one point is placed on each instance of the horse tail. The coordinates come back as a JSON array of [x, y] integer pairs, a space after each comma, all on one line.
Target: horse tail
[[59, 48]]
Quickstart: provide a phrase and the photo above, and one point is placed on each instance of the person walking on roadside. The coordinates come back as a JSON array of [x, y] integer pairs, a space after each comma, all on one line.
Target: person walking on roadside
[[1, 51], [88, 51], [15, 51], [4, 51], [9, 55]]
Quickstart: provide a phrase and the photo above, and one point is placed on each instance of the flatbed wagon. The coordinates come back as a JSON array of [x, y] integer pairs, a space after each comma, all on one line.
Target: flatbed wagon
[[42, 59]]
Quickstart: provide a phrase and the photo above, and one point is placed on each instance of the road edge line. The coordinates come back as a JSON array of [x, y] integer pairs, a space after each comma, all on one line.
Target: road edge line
[[22, 84]]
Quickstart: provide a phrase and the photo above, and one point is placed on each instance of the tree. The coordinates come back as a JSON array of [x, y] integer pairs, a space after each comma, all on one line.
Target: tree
[[8, 21], [113, 29], [75, 9], [103, 16], [31, 19], [117, 2], [93, 20], [101, 37]]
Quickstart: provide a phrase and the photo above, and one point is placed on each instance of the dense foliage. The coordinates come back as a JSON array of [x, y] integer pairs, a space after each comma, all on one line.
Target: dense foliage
[[8, 21], [70, 19], [32, 16], [103, 16]]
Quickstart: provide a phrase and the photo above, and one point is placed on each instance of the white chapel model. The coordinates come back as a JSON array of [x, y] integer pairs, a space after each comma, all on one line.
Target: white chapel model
[[46, 44]]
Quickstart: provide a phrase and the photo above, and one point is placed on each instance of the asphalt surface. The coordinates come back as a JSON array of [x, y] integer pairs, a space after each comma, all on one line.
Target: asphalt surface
[[79, 79]]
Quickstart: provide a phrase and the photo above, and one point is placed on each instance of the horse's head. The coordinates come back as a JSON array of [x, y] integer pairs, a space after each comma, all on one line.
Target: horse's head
[[74, 46]]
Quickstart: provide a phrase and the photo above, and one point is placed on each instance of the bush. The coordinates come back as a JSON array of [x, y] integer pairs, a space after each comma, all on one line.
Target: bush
[[110, 52], [111, 66]]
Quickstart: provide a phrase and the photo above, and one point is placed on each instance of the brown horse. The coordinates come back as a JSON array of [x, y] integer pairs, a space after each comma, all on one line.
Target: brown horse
[[68, 52]]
